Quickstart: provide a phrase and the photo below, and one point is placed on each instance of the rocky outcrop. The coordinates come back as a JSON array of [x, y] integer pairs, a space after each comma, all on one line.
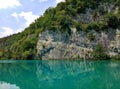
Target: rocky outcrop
[[58, 45], [80, 44]]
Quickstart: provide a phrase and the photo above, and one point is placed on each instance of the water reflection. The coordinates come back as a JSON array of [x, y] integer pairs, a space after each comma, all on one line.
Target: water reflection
[[4, 85], [21, 73], [60, 74], [61, 69]]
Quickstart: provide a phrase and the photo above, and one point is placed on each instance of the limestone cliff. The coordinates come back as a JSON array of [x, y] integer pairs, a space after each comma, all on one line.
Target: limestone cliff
[[57, 45], [95, 25]]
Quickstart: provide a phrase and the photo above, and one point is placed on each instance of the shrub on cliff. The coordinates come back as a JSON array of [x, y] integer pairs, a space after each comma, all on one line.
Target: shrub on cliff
[[99, 53], [117, 57], [91, 36]]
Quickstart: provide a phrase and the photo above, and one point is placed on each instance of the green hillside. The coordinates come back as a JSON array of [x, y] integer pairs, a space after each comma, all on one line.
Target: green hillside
[[61, 18]]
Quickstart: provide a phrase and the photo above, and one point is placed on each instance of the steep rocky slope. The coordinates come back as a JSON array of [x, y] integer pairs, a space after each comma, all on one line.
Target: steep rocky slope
[[88, 29], [54, 45], [99, 25]]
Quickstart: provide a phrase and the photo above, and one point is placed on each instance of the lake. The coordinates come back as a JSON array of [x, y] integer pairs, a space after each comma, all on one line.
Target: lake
[[59, 74]]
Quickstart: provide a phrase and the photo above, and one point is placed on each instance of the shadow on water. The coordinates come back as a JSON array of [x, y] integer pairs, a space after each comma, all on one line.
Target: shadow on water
[[56, 74]]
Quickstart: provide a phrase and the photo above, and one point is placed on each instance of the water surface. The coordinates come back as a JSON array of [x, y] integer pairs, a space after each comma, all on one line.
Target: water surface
[[56, 74]]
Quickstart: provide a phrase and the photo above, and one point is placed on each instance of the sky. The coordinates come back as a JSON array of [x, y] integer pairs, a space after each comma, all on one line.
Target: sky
[[16, 15]]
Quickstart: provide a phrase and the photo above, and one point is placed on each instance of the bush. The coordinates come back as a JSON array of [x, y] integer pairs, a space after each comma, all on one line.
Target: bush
[[117, 57], [90, 36], [99, 53], [29, 55], [112, 20], [92, 26]]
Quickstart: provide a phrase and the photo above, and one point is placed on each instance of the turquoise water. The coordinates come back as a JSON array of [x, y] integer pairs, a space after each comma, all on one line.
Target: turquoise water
[[59, 74]]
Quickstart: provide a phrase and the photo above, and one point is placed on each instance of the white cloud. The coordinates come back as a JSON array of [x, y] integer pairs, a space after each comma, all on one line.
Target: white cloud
[[58, 1], [15, 15], [9, 3], [42, 1], [19, 30], [28, 16], [6, 31]]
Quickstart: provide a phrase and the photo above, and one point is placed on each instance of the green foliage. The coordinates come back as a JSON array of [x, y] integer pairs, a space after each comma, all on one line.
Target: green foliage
[[61, 19], [92, 26], [28, 55], [20, 46], [91, 36], [78, 26], [112, 21], [116, 57], [99, 53], [28, 44]]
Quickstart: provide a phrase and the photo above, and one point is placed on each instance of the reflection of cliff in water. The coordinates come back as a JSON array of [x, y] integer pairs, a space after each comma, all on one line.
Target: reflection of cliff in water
[[61, 74], [33, 74], [61, 69], [20, 73], [78, 74]]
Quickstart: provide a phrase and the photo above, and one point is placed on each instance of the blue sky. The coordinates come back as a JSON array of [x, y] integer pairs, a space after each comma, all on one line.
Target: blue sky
[[15, 15]]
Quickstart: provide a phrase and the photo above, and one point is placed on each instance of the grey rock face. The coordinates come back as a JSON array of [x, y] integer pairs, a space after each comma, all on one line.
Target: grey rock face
[[57, 45]]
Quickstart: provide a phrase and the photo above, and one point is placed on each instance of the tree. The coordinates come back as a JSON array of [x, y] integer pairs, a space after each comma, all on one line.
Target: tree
[[110, 18], [29, 55], [99, 53]]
